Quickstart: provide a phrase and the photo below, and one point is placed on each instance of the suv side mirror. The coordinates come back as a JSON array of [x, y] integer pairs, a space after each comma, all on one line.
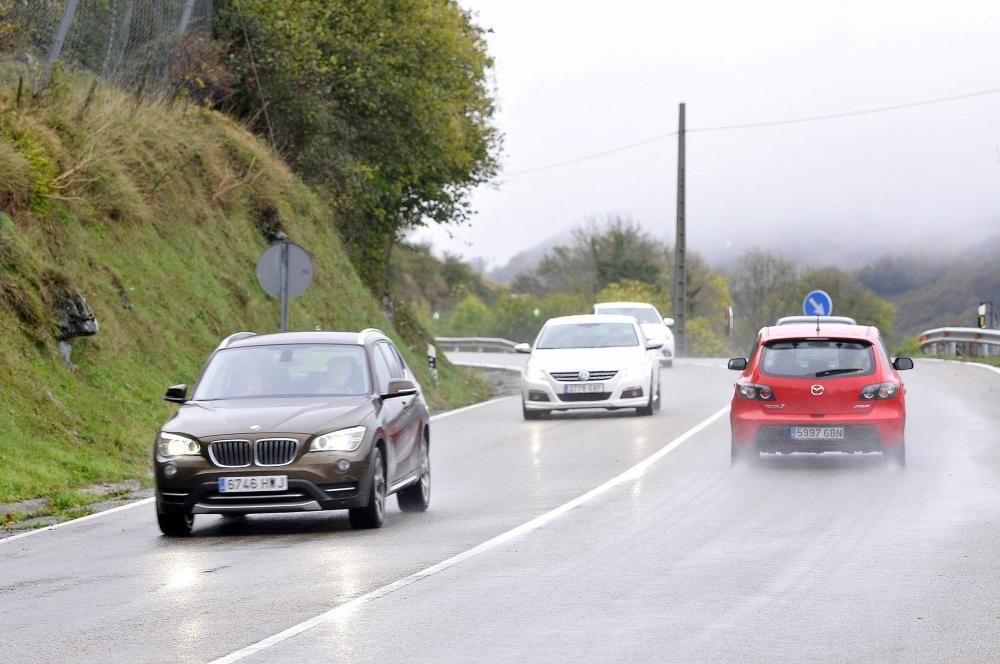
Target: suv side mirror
[[176, 394], [522, 348], [738, 364], [653, 345], [902, 364], [400, 387], [669, 322]]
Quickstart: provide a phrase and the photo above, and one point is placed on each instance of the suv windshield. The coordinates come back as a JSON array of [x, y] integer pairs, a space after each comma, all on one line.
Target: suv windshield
[[817, 358], [642, 314], [285, 370], [588, 335]]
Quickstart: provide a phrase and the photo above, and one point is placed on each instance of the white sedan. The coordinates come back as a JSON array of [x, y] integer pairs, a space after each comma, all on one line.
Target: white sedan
[[654, 326], [592, 361]]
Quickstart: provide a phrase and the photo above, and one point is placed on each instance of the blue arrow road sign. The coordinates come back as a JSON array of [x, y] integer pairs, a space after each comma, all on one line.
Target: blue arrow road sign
[[817, 303]]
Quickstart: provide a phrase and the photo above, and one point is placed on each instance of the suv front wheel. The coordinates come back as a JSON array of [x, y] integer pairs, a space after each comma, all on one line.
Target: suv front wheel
[[372, 515], [175, 525]]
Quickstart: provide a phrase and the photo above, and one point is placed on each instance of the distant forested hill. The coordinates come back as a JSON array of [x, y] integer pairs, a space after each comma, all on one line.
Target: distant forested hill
[[934, 291]]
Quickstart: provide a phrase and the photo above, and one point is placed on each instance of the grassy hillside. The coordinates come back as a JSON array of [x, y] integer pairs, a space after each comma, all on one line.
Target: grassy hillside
[[157, 215]]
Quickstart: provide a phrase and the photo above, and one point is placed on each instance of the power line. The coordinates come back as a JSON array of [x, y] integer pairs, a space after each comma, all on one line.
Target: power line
[[848, 114], [756, 125], [588, 157]]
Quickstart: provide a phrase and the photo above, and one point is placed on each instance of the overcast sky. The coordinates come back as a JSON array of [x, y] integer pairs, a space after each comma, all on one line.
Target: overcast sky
[[579, 77]]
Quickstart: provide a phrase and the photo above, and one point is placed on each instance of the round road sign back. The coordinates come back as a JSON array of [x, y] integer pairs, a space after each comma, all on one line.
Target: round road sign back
[[300, 269]]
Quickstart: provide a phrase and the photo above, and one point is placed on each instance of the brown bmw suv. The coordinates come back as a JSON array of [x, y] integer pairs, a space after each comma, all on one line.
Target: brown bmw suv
[[295, 422]]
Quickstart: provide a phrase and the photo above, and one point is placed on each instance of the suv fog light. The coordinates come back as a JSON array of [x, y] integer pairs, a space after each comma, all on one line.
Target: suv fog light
[[343, 465], [632, 393], [537, 395], [169, 470]]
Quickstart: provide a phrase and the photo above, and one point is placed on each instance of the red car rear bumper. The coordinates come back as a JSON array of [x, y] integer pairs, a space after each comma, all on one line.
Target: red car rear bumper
[[880, 428]]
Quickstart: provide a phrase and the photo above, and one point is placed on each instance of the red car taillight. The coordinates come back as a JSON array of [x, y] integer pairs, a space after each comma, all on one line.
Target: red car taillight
[[752, 392], [879, 391]]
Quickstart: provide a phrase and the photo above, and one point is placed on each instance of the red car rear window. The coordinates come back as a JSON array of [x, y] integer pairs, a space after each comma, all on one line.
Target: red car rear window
[[817, 358]]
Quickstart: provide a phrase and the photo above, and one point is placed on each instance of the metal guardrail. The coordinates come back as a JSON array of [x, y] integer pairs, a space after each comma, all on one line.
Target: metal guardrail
[[476, 344], [966, 341]]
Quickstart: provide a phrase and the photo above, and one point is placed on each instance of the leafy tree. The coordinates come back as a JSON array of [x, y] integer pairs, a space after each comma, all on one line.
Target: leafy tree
[[470, 318], [703, 341], [629, 290], [602, 252], [385, 104], [764, 287], [515, 317], [850, 297]]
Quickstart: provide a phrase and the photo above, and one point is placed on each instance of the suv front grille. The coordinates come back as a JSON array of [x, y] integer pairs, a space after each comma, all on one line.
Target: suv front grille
[[574, 376], [276, 451], [230, 453]]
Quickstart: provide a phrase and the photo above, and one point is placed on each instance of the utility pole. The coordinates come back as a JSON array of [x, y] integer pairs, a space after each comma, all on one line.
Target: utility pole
[[680, 273]]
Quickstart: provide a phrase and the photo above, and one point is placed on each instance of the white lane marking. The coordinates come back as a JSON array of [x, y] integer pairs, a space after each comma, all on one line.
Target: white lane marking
[[465, 409], [120, 508], [146, 501], [632, 473]]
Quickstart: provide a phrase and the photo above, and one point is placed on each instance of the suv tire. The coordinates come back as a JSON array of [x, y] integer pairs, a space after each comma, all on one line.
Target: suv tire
[[417, 497], [175, 525], [372, 515]]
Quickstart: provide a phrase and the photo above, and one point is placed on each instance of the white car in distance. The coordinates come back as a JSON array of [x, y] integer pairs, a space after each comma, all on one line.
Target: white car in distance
[[590, 361], [654, 326]]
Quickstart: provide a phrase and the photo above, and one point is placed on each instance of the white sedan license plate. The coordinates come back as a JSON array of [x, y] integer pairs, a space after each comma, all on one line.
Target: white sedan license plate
[[585, 388], [817, 433], [253, 483]]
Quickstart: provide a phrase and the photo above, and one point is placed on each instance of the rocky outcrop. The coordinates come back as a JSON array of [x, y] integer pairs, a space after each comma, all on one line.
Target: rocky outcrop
[[74, 317]]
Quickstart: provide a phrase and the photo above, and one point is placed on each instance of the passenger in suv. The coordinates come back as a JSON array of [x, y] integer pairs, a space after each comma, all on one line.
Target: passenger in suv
[[295, 422], [821, 387]]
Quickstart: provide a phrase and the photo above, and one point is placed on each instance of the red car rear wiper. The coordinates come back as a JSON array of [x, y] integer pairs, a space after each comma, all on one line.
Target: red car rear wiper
[[831, 372]]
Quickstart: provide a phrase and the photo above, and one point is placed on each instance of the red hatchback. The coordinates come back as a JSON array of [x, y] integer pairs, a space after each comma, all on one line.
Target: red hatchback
[[819, 388]]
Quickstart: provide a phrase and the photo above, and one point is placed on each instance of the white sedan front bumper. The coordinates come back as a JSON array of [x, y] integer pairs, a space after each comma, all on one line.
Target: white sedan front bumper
[[622, 391]]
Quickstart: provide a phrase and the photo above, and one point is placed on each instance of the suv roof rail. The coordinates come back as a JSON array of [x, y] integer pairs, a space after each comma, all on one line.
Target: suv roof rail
[[234, 337], [369, 330]]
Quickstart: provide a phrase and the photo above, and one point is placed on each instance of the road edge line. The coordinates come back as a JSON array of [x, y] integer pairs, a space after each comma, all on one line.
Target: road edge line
[[632, 473], [145, 501], [54, 526], [961, 363]]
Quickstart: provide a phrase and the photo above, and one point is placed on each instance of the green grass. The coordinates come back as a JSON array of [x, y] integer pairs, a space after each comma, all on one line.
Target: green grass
[[159, 205]]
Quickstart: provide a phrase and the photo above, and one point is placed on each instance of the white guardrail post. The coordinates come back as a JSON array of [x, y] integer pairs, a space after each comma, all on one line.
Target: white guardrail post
[[963, 341], [476, 344]]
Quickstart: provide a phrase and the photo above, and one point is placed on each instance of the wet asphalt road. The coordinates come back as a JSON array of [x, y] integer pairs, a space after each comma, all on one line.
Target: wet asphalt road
[[804, 558]]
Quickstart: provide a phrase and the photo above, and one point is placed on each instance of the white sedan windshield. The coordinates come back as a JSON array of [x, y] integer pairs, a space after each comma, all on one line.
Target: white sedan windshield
[[588, 335]]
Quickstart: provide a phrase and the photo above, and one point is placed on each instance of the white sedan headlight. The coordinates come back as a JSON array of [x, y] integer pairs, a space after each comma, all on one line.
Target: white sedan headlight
[[344, 440], [636, 371], [535, 373], [172, 444]]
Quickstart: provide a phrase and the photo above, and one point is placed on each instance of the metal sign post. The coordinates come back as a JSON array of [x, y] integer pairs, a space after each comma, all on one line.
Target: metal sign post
[[284, 286], [284, 271]]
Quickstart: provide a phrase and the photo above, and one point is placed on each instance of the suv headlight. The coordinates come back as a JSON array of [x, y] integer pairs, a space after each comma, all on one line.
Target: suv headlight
[[172, 444], [344, 440]]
